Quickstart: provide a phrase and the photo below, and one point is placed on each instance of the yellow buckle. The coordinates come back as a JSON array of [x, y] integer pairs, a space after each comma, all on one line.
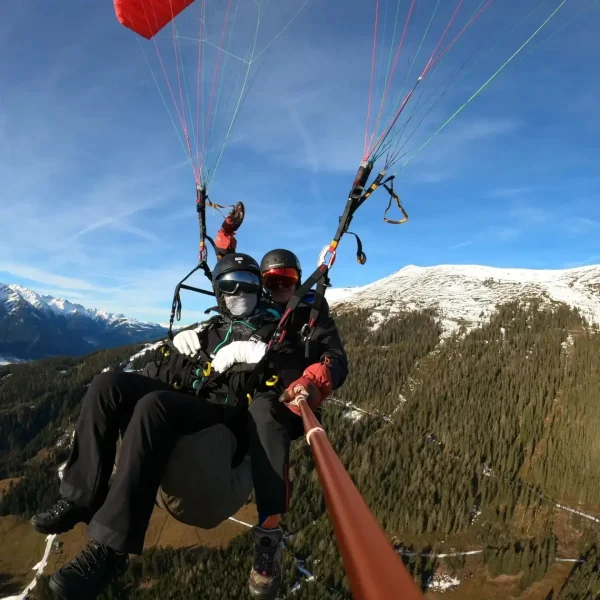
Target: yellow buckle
[[272, 381]]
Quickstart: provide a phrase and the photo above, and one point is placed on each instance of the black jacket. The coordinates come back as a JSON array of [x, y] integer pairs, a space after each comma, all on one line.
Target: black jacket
[[293, 355], [288, 360], [190, 375]]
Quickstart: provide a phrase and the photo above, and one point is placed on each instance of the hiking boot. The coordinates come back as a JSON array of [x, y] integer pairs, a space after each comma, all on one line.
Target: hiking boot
[[265, 577], [61, 517], [89, 572]]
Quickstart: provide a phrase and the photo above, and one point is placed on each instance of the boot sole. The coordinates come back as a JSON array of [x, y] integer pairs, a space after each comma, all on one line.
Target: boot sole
[[41, 529], [263, 592], [60, 592], [65, 594], [50, 530]]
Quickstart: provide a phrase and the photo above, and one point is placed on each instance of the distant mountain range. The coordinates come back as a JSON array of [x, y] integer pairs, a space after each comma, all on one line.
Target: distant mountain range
[[34, 326], [466, 295]]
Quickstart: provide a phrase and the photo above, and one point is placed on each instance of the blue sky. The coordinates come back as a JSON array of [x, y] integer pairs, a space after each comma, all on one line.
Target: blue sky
[[97, 198]]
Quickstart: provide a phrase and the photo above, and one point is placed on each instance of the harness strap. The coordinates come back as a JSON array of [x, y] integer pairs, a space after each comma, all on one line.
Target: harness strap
[[355, 199], [279, 335], [201, 199], [315, 312], [361, 257], [218, 207], [263, 333], [176, 304], [394, 198], [280, 332], [212, 243]]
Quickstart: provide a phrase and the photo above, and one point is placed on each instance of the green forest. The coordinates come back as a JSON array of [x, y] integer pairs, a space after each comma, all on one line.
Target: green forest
[[466, 443]]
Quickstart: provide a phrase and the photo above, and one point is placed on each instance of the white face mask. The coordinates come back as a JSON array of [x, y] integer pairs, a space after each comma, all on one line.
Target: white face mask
[[241, 305]]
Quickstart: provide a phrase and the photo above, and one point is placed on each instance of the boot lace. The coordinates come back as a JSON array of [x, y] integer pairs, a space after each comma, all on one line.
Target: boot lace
[[93, 554], [59, 508], [265, 560]]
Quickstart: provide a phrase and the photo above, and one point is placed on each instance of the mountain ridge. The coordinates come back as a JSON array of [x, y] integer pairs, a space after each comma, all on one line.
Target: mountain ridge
[[468, 294], [35, 326], [59, 305]]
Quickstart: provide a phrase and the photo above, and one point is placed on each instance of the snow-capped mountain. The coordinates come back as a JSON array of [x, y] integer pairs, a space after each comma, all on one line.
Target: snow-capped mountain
[[34, 326], [468, 294]]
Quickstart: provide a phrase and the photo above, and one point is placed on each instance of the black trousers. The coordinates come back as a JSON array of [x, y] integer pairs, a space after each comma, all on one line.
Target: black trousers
[[152, 416], [272, 428]]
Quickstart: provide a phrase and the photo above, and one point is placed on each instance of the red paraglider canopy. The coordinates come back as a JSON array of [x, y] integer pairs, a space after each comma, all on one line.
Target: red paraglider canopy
[[148, 17]]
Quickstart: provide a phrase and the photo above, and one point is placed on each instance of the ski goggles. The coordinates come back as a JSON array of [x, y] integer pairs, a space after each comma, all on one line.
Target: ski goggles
[[282, 277], [238, 282]]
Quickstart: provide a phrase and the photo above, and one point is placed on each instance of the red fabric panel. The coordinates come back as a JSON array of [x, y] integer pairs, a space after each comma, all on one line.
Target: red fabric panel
[[148, 17]]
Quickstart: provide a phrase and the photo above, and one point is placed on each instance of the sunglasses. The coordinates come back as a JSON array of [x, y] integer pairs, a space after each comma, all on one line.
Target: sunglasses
[[282, 277], [239, 282]]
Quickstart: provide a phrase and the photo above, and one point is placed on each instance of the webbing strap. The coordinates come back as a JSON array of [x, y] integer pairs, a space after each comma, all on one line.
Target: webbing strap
[[361, 257], [176, 304], [354, 199], [295, 300], [315, 311], [279, 333], [219, 207], [201, 198], [394, 198]]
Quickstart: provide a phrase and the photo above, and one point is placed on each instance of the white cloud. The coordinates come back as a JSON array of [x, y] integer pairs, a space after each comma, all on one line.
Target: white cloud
[[512, 192], [44, 277], [528, 215], [461, 245]]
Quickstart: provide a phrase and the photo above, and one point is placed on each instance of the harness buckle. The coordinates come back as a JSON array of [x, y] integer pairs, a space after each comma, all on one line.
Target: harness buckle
[[305, 332], [272, 381]]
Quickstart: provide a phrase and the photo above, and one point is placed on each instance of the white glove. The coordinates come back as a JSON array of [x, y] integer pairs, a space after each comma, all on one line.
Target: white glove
[[187, 342], [238, 352]]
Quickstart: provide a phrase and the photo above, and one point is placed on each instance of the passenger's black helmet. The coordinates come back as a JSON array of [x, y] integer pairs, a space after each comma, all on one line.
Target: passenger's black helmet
[[280, 259], [225, 281], [235, 262]]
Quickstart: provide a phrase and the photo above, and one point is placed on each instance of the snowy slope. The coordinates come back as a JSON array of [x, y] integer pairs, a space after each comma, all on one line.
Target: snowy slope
[[469, 293]]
